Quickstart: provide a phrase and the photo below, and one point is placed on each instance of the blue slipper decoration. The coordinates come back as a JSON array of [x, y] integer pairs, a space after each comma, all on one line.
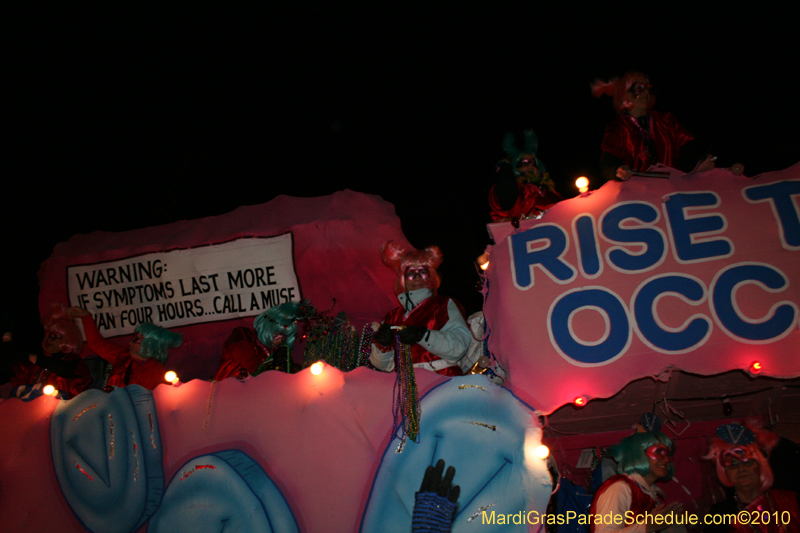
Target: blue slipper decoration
[[223, 491], [480, 429], [106, 452]]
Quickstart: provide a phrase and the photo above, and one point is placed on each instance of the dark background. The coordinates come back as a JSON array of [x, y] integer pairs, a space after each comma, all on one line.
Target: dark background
[[122, 118]]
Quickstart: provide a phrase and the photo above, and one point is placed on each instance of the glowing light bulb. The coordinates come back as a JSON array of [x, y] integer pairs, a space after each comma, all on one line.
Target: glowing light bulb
[[582, 184], [579, 401], [316, 368], [483, 261], [756, 367], [49, 390], [542, 451], [171, 377]]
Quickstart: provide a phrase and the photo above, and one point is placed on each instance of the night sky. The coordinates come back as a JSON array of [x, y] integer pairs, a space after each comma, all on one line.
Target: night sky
[[116, 120]]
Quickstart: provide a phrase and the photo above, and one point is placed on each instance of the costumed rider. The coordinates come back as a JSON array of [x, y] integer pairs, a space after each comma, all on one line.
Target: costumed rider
[[248, 352], [740, 455], [524, 188], [60, 365], [432, 325], [141, 362], [642, 459], [640, 137]]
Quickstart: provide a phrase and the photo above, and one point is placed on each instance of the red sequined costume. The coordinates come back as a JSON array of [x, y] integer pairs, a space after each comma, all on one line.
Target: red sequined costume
[[783, 511], [625, 494], [625, 139], [241, 355], [444, 317], [126, 370], [27, 373]]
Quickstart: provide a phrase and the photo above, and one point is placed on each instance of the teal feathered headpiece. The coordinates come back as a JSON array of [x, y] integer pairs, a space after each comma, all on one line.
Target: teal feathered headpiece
[[541, 177], [514, 153], [156, 341]]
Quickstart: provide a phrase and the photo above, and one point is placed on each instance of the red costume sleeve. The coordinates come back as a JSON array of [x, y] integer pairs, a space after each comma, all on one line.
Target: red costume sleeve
[[783, 503], [641, 503], [616, 140], [127, 371], [149, 374], [106, 349], [26, 373], [531, 201], [241, 354], [76, 385], [670, 135], [623, 139], [431, 314]]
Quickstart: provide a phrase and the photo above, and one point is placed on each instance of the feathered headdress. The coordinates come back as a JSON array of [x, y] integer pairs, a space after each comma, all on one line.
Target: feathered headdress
[[735, 441], [531, 147], [398, 259], [157, 341], [617, 88], [282, 319]]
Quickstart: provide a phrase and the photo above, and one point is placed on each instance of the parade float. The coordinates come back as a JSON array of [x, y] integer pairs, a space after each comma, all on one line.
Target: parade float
[[620, 287]]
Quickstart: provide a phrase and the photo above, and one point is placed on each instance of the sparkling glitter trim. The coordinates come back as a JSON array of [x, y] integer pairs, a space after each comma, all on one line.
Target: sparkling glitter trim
[[152, 437], [81, 413], [83, 471], [193, 470], [207, 417], [111, 430], [480, 510], [135, 457], [401, 446], [492, 427], [462, 387]]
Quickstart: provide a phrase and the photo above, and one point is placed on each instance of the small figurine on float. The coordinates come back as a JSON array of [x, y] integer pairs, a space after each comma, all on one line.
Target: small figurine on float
[[433, 327], [740, 455], [249, 352], [642, 459], [524, 188], [640, 137], [141, 362], [60, 365]]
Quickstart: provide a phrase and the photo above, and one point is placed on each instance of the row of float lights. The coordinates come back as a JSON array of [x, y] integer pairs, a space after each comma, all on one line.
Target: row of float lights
[[754, 369], [172, 377], [541, 451]]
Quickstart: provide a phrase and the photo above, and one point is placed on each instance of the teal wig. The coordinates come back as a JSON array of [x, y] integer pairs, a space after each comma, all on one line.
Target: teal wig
[[281, 319], [157, 341], [514, 153], [629, 453]]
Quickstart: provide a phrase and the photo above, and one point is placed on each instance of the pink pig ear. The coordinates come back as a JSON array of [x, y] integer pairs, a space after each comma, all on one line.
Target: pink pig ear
[[603, 88], [435, 255], [392, 255]]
